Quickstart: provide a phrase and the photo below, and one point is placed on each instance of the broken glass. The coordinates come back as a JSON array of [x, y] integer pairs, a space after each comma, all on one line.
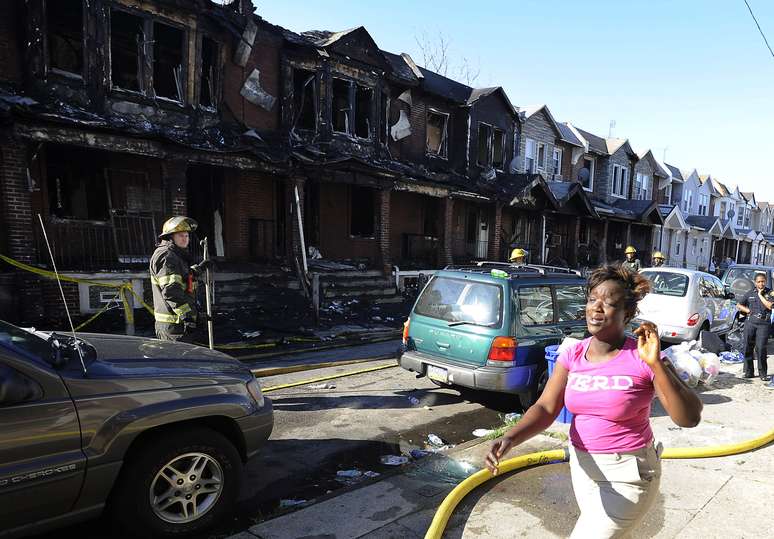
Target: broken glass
[[64, 19], [168, 61], [436, 133]]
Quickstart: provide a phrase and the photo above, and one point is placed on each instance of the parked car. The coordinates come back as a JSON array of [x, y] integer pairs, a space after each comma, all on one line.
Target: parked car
[[486, 326], [155, 432], [741, 278], [683, 302]]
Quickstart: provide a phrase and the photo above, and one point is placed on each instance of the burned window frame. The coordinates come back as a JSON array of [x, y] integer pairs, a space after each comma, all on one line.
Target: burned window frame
[[314, 78], [443, 152], [503, 147], [50, 69], [353, 85], [490, 128], [147, 55], [216, 85]]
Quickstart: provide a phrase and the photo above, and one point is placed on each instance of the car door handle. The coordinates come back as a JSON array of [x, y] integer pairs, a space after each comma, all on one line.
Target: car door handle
[[442, 344]]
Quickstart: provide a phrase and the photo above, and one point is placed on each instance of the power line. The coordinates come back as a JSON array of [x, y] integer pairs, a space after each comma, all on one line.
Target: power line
[[759, 28]]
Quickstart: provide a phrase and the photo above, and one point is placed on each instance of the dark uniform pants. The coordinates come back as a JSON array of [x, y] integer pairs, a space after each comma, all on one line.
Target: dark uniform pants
[[757, 336], [179, 333]]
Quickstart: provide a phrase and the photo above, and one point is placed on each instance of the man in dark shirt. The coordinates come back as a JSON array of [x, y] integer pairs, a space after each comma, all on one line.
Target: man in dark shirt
[[757, 304]]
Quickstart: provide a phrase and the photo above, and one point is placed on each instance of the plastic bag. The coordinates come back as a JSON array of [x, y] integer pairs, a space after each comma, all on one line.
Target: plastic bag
[[686, 365], [710, 366], [731, 357]]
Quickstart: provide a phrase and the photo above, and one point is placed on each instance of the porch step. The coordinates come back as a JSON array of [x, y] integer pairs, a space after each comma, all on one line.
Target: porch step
[[359, 292]]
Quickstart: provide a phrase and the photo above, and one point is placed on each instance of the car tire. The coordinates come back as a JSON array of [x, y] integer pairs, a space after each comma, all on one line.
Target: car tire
[[188, 451], [530, 397]]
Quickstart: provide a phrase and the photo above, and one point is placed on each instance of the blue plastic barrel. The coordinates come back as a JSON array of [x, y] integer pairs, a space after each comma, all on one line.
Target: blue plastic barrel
[[552, 352]]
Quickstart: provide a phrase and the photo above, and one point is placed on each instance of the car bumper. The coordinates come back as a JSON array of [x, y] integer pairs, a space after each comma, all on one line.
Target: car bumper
[[256, 428], [677, 334], [516, 379]]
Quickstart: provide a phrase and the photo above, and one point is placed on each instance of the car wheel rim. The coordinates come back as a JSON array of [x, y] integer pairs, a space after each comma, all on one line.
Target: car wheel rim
[[186, 488]]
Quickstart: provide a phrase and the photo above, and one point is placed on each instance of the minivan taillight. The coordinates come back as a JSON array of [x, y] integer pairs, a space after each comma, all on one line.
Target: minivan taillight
[[406, 331], [693, 320], [503, 349]]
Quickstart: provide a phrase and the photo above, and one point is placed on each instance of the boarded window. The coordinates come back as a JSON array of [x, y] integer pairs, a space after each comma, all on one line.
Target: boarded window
[[437, 126], [341, 105], [304, 99], [484, 144], [362, 211], [363, 105], [64, 20], [126, 39], [168, 61], [498, 148], [210, 70], [76, 184]]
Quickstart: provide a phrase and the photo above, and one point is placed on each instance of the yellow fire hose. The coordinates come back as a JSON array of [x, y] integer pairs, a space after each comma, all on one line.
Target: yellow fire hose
[[444, 512]]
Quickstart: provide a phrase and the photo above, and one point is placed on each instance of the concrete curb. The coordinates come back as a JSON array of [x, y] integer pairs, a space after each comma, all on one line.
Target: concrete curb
[[276, 371]]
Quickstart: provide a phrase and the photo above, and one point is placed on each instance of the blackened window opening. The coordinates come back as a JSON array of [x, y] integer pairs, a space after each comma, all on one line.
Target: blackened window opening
[[364, 97], [437, 125], [210, 69], [168, 61], [362, 211], [341, 105], [484, 144], [498, 148], [384, 114], [64, 21], [127, 38], [76, 185], [304, 99]]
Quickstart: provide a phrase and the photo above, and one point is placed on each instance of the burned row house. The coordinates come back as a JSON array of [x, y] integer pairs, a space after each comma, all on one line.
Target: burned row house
[[116, 114]]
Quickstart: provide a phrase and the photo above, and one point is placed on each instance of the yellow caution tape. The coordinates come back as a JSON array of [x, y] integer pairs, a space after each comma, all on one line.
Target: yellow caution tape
[[123, 289]]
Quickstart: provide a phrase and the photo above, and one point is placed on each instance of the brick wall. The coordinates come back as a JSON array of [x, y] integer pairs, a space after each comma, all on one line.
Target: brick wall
[[383, 229], [335, 239], [52, 297], [174, 174], [251, 196], [10, 53], [494, 232], [447, 247]]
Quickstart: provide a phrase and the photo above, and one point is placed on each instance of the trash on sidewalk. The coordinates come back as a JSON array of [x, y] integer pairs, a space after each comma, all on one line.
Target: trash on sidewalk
[[348, 474], [510, 418], [351, 477], [326, 385], [731, 357], [394, 460], [419, 453], [250, 334], [369, 474], [290, 503], [480, 433], [414, 401], [435, 440], [693, 364]]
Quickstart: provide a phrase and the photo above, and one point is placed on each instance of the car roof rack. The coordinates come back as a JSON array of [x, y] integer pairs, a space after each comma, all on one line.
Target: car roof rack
[[513, 270]]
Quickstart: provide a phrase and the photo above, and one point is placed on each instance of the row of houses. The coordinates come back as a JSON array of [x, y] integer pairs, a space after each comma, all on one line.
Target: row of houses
[[115, 114]]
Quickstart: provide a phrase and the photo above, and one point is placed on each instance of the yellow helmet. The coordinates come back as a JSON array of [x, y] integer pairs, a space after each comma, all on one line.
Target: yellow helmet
[[177, 224], [659, 254], [630, 250], [517, 253]]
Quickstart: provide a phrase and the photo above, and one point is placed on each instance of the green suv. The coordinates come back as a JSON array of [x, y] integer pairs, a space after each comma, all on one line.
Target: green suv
[[486, 326]]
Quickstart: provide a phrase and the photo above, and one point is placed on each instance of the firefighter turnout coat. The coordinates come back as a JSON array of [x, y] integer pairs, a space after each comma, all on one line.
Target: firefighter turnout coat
[[172, 282]]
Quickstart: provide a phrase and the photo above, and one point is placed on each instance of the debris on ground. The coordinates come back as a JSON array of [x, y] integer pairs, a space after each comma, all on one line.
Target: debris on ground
[[731, 357], [326, 385], [435, 440], [414, 401], [512, 417], [351, 477], [393, 460], [290, 503], [480, 433], [419, 453]]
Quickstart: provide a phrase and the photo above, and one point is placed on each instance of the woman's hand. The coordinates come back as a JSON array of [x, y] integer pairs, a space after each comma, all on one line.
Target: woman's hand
[[648, 344], [499, 448]]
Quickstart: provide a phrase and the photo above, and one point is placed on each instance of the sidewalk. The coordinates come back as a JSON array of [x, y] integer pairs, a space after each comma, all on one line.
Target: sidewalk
[[727, 497]]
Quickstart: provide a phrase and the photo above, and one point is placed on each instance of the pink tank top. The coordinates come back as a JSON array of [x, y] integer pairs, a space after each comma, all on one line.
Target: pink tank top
[[610, 401]]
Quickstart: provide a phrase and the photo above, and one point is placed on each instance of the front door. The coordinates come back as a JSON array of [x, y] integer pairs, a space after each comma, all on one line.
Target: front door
[[42, 467], [206, 204]]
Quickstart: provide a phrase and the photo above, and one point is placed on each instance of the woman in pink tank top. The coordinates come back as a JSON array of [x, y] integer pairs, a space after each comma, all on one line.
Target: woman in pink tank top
[[608, 382]]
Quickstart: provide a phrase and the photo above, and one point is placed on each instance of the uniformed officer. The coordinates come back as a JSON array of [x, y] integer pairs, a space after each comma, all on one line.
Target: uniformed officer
[[658, 259], [632, 262], [173, 282], [517, 256], [757, 304]]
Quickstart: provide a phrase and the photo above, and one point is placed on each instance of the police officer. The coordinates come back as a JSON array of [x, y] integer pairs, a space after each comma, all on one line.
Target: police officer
[[658, 259], [757, 304], [632, 262], [517, 256], [173, 281]]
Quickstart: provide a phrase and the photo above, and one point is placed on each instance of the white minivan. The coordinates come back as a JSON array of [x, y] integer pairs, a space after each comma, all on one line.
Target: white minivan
[[683, 302]]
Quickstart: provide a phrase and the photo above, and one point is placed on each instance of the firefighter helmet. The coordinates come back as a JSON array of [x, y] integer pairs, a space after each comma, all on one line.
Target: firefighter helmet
[[517, 253], [177, 224], [630, 250], [659, 254]]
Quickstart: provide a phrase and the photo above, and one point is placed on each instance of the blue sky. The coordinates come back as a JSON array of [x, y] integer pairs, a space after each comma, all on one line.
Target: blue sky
[[691, 76]]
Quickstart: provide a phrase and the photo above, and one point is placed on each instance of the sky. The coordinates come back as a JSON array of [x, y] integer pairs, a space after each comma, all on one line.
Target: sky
[[692, 80]]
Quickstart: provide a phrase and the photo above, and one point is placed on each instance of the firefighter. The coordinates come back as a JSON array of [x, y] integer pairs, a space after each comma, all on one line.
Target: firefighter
[[632, 262], [173, 281], [658, 259], [517, 256]]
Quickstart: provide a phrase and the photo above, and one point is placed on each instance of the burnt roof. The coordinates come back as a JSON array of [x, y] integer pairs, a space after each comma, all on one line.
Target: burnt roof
[[445, 87]]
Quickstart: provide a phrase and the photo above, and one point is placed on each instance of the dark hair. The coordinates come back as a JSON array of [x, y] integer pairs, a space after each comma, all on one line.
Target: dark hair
[[635, 286]]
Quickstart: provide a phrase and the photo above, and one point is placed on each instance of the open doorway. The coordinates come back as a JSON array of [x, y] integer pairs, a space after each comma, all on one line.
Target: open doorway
[[206, 205]]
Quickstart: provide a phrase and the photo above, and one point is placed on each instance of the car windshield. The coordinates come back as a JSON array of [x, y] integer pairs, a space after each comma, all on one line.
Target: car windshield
[[743, 273], [461, 300], [21, 340], [667, 283]]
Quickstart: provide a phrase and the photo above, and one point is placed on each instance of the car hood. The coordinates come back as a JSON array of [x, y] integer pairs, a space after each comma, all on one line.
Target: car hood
[[139, 364]]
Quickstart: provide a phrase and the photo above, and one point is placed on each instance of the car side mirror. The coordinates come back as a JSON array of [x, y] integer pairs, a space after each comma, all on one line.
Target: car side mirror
[[16, 388]]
